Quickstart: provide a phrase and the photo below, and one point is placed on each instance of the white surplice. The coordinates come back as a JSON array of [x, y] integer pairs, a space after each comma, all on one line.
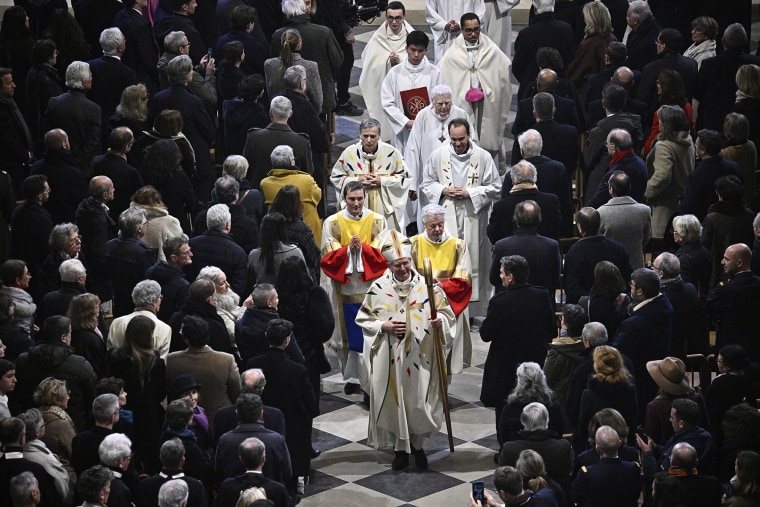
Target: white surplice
[[440, 12]]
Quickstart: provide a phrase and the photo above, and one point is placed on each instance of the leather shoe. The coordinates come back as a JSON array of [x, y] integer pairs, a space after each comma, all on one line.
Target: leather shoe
[[351, 388], [401, 461], [315, 453]]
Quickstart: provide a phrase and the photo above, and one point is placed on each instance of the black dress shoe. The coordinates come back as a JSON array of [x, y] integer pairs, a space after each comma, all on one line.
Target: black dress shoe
[[351, 388], [315, 453], [420, 459], [401, 461]]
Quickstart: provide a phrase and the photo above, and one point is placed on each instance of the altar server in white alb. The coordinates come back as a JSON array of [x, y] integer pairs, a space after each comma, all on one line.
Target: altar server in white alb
[[498, 19], [429, 133], [407, 88], [443, 16], [463, 179], [478, 73], [380, 168], [385, 49]]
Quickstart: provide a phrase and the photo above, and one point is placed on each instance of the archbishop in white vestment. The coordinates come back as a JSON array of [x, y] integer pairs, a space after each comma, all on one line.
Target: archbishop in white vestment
[[415, 71], [463, 179], [389, 39], [429, 133], [380, 168], [474, 63], [399, 353], [439, 14]]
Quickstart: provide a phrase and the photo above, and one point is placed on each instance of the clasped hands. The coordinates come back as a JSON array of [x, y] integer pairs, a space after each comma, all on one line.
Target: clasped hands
[[456, 193], [370, 180]]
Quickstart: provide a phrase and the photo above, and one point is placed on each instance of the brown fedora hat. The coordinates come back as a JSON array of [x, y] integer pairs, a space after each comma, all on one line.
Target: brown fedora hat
[[670, 375]]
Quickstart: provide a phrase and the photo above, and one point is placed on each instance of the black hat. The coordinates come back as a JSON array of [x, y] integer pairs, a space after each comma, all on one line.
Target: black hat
[[183, 384]]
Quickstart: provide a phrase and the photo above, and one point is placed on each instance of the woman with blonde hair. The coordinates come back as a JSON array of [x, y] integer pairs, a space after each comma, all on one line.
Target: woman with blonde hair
[[589, 58], [161, 225], [274, 69], [611, 386], [52, 398], [531, 466], [86, 338], [250, 495], [748, 98], [132, 110]]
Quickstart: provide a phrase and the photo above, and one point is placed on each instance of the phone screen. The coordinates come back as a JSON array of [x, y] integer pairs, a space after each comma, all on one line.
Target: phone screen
[[478, 491], [210, 52]]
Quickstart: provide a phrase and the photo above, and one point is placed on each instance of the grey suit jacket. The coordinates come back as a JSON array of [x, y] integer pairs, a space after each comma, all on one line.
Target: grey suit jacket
[[628, 222]]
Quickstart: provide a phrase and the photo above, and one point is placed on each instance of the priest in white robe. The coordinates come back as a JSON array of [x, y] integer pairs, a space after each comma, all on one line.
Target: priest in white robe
[[479, 74], [444, 18], [451, 270], [384, 50], [402, 379], [381, 170], [463, 179], [429, 133], [351, 259], [498, 18], [416, 77]]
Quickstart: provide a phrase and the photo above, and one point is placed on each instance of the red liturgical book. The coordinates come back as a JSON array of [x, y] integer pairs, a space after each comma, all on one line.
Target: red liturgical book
[[414, 101]]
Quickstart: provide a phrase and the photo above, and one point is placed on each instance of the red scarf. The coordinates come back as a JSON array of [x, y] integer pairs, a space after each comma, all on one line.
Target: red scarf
[[616, 158]]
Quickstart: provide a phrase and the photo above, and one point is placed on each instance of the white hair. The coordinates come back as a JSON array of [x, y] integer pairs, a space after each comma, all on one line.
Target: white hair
[[217, 217], [76, 74], [110, 39]]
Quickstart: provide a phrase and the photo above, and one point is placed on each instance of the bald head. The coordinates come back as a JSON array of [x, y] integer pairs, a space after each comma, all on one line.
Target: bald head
[[253, 381], [623, 76], [56, 139], [547, 81], [607, 442], [736, 259], [101, 187], [684, 456]]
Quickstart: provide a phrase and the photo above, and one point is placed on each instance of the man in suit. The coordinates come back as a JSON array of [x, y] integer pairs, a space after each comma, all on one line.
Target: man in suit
[[62, 173], [244, 229], [716, 85], [736, 301], [203, 80], [12, 462], [277, 464], [113, 163], [564, 109], [127, 258], [596, 155], [524, 175], [625, 220], [169, 274], [252, 381], [701, 490], [688, 327], [560, 141], [612, 481], [582, 257], [78, 116], [622, 158], [260, 142], [215, 247], [197, 125], [519, 325], [644, 32], [290, 391], [614, 56], [15, 136], [552, 177], [31, 224], [73, 275], [542, 253], [241, 21], [544, 31], [216, 371], [109, 74], [625, 77], [84, 446], [306, 119], [182, 20], [645, 335], [172, 455], [96, 228], [669, 44], [94, 16], [141, 53], [252, 453]]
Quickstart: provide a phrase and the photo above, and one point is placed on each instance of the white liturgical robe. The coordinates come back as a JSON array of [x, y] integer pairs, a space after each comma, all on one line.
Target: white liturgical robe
[[440, 12]]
